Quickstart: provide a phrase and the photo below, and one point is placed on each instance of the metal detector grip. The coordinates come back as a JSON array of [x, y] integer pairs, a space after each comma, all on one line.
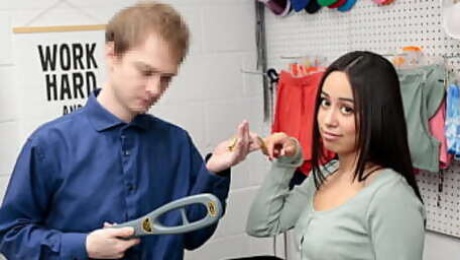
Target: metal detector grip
[[149, 224]]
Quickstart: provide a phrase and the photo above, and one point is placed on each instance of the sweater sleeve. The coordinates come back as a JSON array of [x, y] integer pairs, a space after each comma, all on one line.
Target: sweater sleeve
[[275, 208], [396, 223]]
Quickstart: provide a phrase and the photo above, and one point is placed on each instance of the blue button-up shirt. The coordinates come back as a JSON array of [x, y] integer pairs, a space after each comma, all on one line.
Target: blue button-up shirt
[[89, 167]]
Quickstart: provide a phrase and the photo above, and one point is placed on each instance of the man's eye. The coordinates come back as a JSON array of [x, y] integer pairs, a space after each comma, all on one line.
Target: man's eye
[[146, 73], [166, 80]]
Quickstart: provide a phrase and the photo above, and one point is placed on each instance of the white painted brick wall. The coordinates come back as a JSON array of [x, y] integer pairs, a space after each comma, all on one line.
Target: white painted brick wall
[[209, 98]]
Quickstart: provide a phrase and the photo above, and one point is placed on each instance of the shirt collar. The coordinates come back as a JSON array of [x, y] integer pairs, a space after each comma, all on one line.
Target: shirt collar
[[102, 119]]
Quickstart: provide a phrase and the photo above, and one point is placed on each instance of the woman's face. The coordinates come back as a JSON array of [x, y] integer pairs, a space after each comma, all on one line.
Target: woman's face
[[336, 115]]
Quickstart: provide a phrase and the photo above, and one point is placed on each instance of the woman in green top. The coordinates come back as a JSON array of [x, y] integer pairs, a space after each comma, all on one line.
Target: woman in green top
[[364, 205]]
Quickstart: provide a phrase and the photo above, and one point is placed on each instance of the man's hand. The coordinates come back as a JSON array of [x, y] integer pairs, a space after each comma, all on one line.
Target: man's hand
[[231, 152], [110, 243]]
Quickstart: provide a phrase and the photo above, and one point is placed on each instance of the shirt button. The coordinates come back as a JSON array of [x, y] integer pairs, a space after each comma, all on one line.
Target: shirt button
[[127, 152], [301, 242], [131, 187]]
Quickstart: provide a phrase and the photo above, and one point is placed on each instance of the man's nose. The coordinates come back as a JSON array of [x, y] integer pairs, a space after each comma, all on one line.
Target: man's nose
[[154, 86]]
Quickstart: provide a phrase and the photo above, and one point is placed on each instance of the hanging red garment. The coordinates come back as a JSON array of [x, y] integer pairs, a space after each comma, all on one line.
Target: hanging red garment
[[294, 112]]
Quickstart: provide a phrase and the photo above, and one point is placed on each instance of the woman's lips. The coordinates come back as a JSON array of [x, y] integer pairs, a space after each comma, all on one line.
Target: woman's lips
[[330, 136]]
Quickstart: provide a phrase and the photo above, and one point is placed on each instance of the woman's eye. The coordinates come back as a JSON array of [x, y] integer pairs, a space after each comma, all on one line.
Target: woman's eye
[[346, 110], [324, 102]]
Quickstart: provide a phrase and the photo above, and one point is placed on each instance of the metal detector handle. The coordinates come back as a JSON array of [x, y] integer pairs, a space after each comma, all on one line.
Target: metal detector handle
[[149, 224]]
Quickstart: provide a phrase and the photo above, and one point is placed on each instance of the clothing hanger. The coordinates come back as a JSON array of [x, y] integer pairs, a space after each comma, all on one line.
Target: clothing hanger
[[450, 75], [306, 64], [61, 28], [395, 58], [408, 57], [272, 76]]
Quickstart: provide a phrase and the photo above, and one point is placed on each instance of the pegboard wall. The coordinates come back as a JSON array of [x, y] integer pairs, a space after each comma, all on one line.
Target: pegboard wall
[[384, 30]]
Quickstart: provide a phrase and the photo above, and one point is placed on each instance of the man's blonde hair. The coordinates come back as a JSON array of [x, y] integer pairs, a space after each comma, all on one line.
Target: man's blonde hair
[[131, 26]]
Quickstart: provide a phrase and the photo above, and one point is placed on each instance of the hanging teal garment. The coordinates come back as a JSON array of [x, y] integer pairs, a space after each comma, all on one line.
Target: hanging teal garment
[[422, 91]]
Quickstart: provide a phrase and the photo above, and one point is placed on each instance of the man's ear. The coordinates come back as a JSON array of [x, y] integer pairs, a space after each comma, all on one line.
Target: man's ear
[[110, 55]]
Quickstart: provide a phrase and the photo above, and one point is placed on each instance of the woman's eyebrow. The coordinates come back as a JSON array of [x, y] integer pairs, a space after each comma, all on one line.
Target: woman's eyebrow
[[340, 98], [347, 100]]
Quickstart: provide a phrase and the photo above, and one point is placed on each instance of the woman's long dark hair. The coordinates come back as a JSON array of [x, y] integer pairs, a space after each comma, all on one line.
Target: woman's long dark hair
[[382, 135]]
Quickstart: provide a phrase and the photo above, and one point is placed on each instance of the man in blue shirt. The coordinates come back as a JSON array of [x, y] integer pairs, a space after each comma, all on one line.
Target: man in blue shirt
[[111, 162]]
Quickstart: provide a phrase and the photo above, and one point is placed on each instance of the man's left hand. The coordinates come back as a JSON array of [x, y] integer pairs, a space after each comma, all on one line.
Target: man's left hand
[[231, 152]]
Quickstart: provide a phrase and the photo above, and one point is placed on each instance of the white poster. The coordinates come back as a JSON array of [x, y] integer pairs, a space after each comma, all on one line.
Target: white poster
[[56, 72]]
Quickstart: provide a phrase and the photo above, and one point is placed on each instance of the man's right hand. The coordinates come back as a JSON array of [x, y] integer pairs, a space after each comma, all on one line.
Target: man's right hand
[[110, 243]]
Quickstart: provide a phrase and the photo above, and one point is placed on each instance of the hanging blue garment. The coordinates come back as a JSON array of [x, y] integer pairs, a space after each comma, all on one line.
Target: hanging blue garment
[[453, 120]]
